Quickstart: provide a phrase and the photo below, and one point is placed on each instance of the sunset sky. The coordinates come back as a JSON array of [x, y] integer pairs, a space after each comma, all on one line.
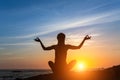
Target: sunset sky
[[23, 20]]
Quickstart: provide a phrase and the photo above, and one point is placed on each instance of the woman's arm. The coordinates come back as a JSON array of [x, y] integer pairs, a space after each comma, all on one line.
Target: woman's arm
[[80, 45], [44, 48]]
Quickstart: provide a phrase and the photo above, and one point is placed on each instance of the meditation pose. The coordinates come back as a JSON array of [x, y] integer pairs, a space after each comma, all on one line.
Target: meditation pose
[[61, 49]]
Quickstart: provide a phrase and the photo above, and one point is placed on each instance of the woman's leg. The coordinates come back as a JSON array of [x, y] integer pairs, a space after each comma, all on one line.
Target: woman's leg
[[52, 65], [71, 64]]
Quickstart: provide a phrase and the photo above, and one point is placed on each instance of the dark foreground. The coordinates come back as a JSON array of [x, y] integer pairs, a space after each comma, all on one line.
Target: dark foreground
[[112, 73]]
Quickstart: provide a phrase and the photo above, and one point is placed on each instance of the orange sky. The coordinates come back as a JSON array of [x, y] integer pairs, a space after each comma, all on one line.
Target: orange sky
[[23, 21]]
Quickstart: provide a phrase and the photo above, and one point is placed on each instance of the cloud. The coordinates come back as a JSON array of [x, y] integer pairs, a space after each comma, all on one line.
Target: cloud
[[6, 54], [1, 48], [15, 44], [91, 20], [33, 35], [97, 7]]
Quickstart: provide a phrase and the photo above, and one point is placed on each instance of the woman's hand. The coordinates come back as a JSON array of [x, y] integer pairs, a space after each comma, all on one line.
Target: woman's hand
[[37, 39], [87, 37]]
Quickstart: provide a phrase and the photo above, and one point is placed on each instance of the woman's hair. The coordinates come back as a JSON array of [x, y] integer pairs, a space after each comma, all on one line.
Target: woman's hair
[[61, 36]]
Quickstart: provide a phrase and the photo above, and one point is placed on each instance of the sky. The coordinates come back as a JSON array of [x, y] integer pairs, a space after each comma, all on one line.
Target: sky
[[21, 21]]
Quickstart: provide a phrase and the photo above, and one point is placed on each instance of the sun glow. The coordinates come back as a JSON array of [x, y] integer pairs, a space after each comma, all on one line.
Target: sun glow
[[80, 66]]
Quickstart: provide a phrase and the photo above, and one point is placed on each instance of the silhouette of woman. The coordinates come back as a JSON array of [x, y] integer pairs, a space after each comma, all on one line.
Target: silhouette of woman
[[61, 53]]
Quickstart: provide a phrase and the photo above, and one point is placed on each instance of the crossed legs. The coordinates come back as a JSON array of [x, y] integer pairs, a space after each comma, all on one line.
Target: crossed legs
[[60, 67]]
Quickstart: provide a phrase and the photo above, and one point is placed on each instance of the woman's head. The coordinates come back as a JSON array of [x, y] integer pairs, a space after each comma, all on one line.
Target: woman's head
[[61, 37]]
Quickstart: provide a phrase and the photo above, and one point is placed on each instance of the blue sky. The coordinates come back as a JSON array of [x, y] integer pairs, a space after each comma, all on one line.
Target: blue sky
[[21, 21]]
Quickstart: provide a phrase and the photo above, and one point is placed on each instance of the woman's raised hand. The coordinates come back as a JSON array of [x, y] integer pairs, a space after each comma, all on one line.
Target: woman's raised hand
[[87, 37], [37, 39]]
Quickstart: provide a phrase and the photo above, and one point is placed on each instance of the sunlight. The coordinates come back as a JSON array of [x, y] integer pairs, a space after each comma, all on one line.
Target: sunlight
[[80, 66]]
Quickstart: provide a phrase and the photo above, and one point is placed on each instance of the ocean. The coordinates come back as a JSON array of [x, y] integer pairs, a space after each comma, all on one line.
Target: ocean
[[13, 74]]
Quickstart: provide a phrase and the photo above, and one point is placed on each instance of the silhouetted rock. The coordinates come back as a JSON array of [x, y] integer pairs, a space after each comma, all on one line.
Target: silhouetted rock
[[112, 73]]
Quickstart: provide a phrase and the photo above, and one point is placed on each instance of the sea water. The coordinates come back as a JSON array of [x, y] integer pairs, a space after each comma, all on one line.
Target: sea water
[[13, 74]]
